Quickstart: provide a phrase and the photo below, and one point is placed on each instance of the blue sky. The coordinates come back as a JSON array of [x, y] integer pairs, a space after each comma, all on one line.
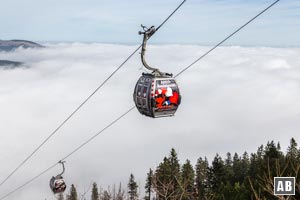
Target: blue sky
[[201, 22]]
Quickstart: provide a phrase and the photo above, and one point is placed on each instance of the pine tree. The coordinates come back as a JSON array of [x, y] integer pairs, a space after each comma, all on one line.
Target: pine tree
[[202, 179], [293, 153], [272, 157], [237, 169], [229, 169], [293, 159], [245, 162], [132, 188], [256, 171], [148, 185], [166, 180], [188, 179], [175, 172], [120, 194], [95, 193], [162, 179], [244, 185], [73, 193], [106, 195], [218, 176]]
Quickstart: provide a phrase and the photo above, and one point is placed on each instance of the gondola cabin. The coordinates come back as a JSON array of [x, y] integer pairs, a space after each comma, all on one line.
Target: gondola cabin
[[156, 96], [57, 184]]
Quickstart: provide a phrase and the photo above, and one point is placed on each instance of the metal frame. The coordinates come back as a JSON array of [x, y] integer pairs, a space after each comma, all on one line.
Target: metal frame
[[148, 32]]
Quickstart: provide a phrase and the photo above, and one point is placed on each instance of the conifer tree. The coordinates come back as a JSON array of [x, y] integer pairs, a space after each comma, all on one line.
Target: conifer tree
[[293, 153], [73, 193], [120, 194], [188, 179], [95, 193], [229, 168], [174, 163], [293, 170], [166, 180], [245, 164], [132, 188], [217, 176], [114, 195], [106, 195], [175, 172], [162, 184], [202, 179], [237, 169], [272, 157], [148, 185]]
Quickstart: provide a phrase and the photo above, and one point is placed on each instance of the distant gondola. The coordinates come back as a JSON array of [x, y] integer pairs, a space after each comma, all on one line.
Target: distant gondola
[[156, 94], [57, 183]]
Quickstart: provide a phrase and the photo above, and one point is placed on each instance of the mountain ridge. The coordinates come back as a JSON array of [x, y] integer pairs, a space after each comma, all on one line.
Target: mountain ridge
[[7, 64], [10, 45]]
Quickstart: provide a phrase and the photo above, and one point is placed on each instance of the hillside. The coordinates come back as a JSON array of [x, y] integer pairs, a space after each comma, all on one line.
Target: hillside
[[10, 45], [7, 64]]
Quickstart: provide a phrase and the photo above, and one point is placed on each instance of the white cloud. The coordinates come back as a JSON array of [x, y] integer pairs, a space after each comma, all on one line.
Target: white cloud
[[233, 100]]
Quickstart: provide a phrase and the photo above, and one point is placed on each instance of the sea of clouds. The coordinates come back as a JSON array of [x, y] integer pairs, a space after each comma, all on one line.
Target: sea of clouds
[[233, 100]]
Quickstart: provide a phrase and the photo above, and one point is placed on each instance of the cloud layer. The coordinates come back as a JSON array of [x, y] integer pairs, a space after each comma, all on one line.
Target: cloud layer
[[233, 100]]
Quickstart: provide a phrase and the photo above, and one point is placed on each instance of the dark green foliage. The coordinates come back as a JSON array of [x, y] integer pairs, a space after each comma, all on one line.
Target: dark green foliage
[[202, 179], [237, 178], [148, 185], [95, 193], [167, 177], [293, 157], [121, 193], [132, 188], [217, 176], [234, 178], [73, 193], [187, 181], [229, 173], [106, 195]]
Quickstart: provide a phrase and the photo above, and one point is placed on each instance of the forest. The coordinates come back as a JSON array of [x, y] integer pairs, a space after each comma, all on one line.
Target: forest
[[235, 177]]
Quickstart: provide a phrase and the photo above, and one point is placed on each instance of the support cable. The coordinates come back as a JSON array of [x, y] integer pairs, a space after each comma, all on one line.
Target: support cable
[[224, 40], [82, 104]]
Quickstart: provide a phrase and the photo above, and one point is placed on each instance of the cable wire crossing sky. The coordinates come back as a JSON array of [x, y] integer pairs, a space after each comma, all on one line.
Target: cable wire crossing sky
[[84, 102], [200, 21]]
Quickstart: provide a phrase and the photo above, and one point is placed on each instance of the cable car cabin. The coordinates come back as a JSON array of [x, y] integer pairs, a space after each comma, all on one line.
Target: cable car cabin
[[57, 184], [156, 96]]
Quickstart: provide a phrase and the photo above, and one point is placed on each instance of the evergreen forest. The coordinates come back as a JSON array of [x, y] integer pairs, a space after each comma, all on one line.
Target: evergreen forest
[[234, 177]]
